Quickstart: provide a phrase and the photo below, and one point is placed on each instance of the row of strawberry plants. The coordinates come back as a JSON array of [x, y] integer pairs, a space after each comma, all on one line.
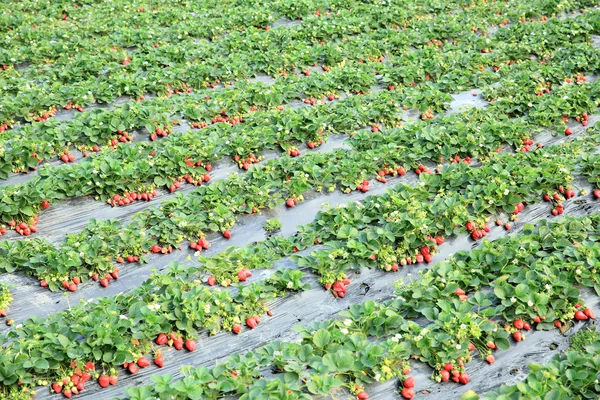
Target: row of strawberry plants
[[377, 233], [345, 357], [99, 337], [213, 207], [141, 168], [152, 58], [568, 375], [129, 83], [111, 125]]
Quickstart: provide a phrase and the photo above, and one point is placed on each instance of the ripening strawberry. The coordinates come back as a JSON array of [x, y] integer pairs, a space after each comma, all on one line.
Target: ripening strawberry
[[490, 359], [113, 379], [68, 393], [103, 381]]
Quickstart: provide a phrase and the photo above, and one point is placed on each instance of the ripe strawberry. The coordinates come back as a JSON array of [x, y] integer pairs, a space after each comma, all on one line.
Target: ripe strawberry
[[589, 313], [470, 226], [211, 280], [490, 359], [85, 376], [362, 395], [251, 323], [178, 343], [241, 276], [568, 132], [518, 323], [409, 382], [507, 226], [236, 329], [104, 282], [103, 381], [580, 316], [143, 362], [113, 379], [57, 387], [190, 345], [597, 193], [448, 367], [526, 326], [161, 339], [68, 393], [407, 393], [558, 324], [133, 368], [445, 375], [464, 378], [517, 336], [159, 361], [89, 366], [72, 287], [227, 234], [290, 203]]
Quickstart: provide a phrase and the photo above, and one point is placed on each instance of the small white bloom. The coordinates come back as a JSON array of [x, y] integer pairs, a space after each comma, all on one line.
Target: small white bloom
[[344, 331], [513, 300]]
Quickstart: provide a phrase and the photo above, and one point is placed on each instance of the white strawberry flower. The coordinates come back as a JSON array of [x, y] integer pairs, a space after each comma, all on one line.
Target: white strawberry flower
[[513, 300], [347, 322], [344, 331]]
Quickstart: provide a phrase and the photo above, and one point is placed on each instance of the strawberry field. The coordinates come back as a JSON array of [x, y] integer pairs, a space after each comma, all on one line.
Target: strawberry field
[[297, 199]]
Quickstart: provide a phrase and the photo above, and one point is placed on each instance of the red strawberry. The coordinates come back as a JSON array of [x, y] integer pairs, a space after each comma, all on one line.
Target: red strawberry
[[236, 329], [77, 280], [161, 339], [290, 203], [227, 234], [558, 324], [407, 393], [526, 326], [104, 282], [72, 287], [580, 316], [445, 375], [159, 361], [211, 280], [113, 379], [103, 381], [589, 313], [448, 367], [133, 368], [459, 292], [409, 382], [190, 345], [439, 240], [470, 226], [57, 387], [517, 336], [490, 359], [597, 193], [143, 362], [89, 366], [178, 343], [68, 393], [85, 376], [568, 132], [518, 323], [241, 276], [251, 322], [362, 395], [464, 378]]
